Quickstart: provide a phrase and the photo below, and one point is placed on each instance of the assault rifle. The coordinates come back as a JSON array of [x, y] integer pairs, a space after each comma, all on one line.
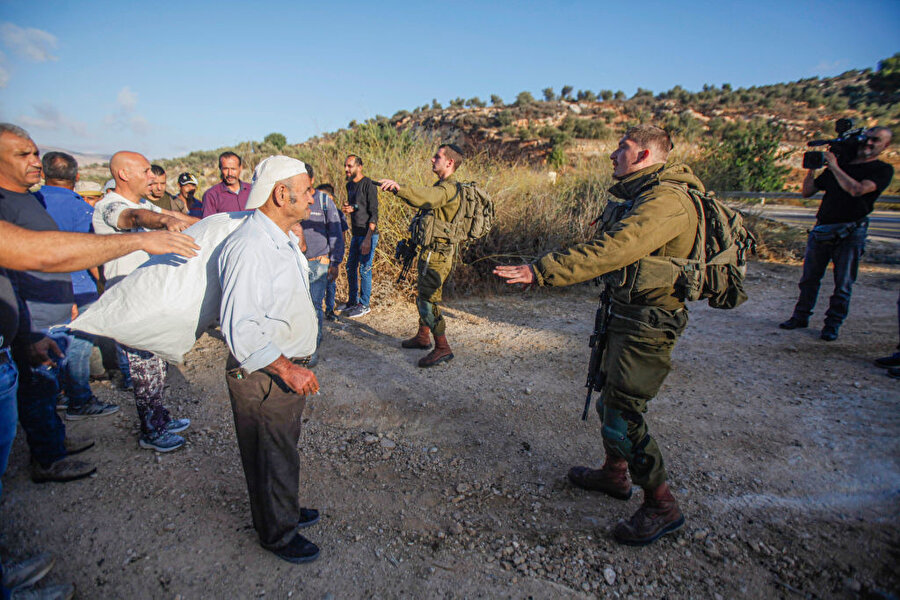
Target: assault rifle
[[596, 377], [405, 253]]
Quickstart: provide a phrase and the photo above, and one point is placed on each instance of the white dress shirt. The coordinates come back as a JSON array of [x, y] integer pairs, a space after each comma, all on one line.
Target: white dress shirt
[[266, 310]]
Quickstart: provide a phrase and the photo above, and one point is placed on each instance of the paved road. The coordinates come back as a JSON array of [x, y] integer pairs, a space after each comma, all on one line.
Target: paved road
[[883, 224]]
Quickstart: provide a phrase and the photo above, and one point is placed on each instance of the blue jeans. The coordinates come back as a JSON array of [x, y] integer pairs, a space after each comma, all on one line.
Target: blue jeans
[[845, 255], [77, 370], [124, 368], [318, 282], [360, 285], [9, 382], [330, 291], [38, 388]]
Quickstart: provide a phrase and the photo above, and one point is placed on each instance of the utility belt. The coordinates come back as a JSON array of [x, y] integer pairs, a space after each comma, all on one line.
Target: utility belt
[[320, 259], [233, 368], [833, 233]]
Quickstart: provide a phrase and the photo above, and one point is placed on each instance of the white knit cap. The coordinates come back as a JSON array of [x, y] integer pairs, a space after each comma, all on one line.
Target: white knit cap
[[269, 172]]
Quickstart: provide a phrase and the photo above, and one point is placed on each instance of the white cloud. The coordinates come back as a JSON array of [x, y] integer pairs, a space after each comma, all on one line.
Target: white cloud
[[31, 43], [127, 99], [125, 116], [48, 117]]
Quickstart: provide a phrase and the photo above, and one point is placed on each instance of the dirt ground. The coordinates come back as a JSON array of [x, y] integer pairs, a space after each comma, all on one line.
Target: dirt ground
[[783, 451]]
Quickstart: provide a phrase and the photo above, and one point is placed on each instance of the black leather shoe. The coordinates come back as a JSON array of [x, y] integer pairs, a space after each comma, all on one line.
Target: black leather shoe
[[299, 550], [308, 516], [829, 333], [794, 323], [889, 362]]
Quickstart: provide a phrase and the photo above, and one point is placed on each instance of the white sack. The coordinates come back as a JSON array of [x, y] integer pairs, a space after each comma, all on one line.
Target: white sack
[[169, 301]]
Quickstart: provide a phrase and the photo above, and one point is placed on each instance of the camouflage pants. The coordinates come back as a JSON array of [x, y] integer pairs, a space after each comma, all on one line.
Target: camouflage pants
[[148, 375], [636, 361], [434, 269]]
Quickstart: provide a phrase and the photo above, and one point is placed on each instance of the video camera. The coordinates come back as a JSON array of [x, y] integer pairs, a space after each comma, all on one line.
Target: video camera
[[845, 146]]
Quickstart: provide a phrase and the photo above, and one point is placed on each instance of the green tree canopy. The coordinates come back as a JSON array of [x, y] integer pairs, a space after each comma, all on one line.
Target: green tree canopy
[[276, 139]]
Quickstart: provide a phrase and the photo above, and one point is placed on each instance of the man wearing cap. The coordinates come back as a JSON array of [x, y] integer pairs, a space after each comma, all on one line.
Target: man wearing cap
[[269, 324], [185, 202], [230, 194], [324, 249], [89, 191]]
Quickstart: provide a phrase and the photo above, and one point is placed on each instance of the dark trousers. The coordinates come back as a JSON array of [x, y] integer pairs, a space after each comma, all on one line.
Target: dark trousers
[[636, 361], [845, 255], [37, 395], [267, 418]]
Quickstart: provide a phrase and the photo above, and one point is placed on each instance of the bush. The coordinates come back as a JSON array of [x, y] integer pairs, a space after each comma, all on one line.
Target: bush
[[746, 157], [496, 100], [524, 99], [276, 139]]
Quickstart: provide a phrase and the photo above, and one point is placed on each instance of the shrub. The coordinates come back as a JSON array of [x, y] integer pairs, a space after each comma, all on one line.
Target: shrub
[[746, 157], [524, 99], [276, 139], [496, 100]]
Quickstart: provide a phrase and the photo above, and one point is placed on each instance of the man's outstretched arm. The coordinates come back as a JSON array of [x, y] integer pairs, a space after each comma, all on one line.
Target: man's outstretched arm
[[62, 252]]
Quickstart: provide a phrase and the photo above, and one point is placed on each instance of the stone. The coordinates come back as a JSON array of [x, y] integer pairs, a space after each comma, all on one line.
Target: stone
[[388, 444], [609, 574], [370, 439], [462, 488]]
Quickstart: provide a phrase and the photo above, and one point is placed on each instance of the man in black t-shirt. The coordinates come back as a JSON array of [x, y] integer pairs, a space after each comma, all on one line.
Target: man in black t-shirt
[[362, 206], [841, 225]]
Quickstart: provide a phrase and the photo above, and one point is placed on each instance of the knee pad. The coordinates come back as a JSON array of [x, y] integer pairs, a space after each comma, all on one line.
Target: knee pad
[[615, 432], [426, 313]]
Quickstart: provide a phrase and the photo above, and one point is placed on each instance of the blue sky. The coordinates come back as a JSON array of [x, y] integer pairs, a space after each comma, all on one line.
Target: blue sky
[[164, 78]]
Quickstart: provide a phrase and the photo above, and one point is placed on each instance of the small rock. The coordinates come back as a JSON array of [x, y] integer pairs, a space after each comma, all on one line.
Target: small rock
[[370, 439], [609, 574], [586, 586], [169, 527], [388, 444], [433, 450], [462, 488]]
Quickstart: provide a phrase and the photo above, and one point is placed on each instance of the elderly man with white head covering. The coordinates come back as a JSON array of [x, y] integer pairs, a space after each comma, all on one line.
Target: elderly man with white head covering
[[270, 325]]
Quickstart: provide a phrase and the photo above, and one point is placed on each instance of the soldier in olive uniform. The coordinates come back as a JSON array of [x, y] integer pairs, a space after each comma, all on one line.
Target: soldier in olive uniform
[[436, 257], [656, 218]]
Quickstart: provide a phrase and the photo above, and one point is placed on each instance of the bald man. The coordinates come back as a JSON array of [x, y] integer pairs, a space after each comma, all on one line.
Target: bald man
[[125, 210]]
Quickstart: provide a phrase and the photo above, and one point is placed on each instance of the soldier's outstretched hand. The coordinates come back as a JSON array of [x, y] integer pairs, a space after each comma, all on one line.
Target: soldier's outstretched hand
[[388, 185], [515, 273]]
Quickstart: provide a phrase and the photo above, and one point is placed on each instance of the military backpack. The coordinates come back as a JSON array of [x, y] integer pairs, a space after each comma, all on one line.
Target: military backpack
[[717, 265], [472, 221]]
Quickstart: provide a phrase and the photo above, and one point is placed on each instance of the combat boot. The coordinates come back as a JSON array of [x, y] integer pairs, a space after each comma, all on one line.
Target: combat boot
[[611, 478], [657, 516], [422, 340], [441, 353]]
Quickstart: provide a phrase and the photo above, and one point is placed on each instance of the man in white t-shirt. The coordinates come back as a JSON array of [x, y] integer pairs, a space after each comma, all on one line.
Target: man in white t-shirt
[[120, 211]]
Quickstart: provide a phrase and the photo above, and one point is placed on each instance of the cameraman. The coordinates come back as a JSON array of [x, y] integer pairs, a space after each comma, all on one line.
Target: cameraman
[[841, 225]]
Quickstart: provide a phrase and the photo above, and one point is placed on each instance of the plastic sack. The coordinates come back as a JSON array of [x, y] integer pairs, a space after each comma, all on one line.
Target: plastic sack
[[164, 305]]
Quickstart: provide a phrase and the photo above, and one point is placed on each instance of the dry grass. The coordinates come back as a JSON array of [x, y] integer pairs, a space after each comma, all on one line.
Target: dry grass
[[533, 214]]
